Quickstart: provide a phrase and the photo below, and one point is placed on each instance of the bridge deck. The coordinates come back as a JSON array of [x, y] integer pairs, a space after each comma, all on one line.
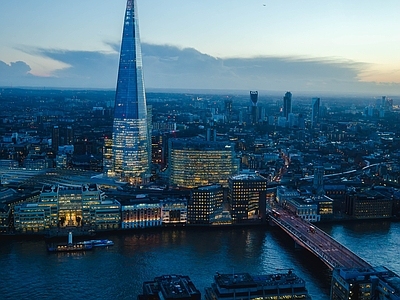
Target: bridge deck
[[330, 251]]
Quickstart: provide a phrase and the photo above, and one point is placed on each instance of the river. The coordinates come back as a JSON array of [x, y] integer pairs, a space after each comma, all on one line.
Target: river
[[28, 271]]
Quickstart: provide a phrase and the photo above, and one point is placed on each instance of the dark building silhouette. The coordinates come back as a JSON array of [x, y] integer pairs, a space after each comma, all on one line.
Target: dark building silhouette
[[254, 107], [287, 104], [315, 112]]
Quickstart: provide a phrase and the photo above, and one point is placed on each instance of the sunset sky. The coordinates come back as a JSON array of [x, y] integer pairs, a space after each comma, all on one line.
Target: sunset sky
[[341, 45]]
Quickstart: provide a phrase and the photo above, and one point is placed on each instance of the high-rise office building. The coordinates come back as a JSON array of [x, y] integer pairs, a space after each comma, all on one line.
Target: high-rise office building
[[287, 104], [228, 109], [316, 103], [55, 138], [131, 159], [61, 136], [69, 136], [254, 108]]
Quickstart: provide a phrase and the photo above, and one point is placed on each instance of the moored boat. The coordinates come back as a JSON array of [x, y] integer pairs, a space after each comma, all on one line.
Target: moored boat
[[69, 247]]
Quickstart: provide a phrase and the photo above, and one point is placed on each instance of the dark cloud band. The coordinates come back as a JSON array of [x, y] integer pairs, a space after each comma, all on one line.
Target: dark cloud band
[[168, 66]]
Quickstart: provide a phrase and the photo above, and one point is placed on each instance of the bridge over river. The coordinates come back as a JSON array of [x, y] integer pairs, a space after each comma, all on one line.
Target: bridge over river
[[330, 251]]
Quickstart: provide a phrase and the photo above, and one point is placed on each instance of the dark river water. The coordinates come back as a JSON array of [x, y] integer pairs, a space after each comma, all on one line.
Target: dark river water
[[117, 272]]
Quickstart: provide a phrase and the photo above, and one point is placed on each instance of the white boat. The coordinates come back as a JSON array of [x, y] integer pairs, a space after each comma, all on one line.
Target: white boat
[[102, 243], [98, 243]]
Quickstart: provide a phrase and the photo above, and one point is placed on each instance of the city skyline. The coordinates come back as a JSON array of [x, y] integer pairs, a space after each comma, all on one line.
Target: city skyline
[[264, 45]]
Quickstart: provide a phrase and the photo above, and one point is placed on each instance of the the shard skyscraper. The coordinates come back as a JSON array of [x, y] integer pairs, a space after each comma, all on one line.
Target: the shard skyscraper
[[130, 147]]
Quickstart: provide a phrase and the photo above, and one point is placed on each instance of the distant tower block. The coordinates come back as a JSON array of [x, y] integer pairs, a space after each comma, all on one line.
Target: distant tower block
[[130, 134], [254, 108], [318, 183], [228, 109], [55, 138], [254, 97], [315, 111], [287, 104]]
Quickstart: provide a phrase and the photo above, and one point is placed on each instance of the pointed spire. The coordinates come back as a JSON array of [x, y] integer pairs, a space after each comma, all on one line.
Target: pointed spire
[[130, 134]]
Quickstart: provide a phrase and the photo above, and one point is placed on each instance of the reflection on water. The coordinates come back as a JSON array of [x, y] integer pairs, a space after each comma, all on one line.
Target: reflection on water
[[118, 272]]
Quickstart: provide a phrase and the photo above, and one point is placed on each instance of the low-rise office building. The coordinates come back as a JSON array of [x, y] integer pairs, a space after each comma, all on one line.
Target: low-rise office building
[[141, 212], [174, 211], [325, 207], [284, 193], [303, 207], [106, 215], [247, 197], [204, 203], [369, 204], [32, 218], [73, 207]]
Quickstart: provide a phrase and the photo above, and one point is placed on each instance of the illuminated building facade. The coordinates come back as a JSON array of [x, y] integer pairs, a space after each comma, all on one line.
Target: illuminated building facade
[[105, 215], [247, 197], [174, 211], [157, 154], [32, 218], [194, 163], [204, 202], [68, 207], [325, 207], [49, 198], [142, 213], [108, 156], [131, 158]]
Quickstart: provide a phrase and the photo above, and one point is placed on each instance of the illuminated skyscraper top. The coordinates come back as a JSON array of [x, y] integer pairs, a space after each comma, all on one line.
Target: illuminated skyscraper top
[[130, 133]]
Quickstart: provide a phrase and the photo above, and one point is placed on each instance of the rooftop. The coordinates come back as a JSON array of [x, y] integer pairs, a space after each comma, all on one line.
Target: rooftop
[[172, 287]]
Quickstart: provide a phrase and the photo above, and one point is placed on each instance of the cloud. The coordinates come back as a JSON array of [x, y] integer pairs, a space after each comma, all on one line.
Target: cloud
[[167, 66], [87, 68], [12, 72]]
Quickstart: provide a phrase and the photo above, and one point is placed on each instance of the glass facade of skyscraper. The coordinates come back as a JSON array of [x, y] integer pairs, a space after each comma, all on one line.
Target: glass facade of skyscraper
[[130, 133], [194, 163]]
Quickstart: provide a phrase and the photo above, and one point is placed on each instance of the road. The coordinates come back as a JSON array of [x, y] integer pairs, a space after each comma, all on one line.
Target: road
[[307, 235]]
